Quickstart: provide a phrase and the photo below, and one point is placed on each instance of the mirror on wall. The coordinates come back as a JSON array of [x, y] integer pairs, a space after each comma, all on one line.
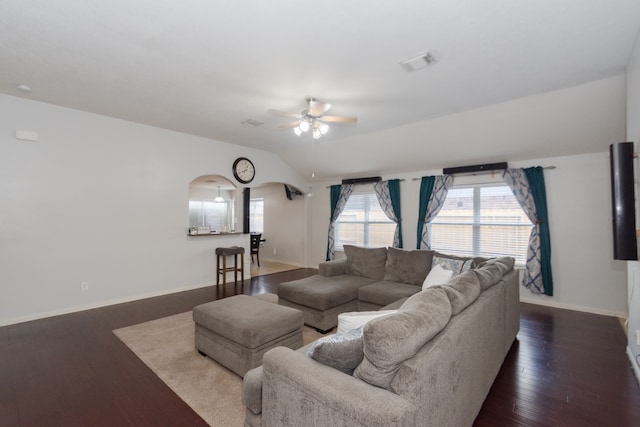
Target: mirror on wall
[[211, 205]]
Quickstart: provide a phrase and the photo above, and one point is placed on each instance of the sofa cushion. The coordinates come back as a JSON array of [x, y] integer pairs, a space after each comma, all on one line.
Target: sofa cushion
[[355, 319], [437, 276], [462, 290], [491, 271], [340, 351], [410, 267], [322, 293], [392, 339], [384, 293], [454, 263], [366, 262]]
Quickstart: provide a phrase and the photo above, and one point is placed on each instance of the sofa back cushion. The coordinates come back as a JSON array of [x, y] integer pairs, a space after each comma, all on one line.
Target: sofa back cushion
[[366, 262], [390, 340], [491, 271], [410, 267], [462, 290]]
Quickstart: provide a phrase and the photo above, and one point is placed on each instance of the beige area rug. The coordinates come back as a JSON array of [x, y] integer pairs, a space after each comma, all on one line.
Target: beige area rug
[[166, 346]]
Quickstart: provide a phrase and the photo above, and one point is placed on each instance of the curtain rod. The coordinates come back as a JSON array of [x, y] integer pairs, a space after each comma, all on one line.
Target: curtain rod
[[483, 173], [401, 179]]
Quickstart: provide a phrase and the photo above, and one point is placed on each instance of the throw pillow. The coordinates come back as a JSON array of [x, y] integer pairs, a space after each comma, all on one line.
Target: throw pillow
[[339, 351], [366, 262], [410, 267], [390, 340], [354, 320], [437, 276], [451, 262]]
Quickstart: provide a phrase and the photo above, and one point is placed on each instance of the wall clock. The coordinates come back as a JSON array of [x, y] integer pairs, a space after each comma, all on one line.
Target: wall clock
[[243, 170]]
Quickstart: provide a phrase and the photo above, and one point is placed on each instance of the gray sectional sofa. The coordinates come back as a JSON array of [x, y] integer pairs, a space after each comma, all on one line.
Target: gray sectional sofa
[[431, 363], [368, 279]]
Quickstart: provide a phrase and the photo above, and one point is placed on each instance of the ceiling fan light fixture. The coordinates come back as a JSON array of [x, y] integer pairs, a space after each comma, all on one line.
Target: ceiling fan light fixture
[[297, 130], [316, 133], [304, 125], [324, 128]]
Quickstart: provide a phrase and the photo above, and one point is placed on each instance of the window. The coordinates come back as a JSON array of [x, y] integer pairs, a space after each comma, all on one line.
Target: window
[[362, 222], [216, 215], [256, 215], [481, 221]]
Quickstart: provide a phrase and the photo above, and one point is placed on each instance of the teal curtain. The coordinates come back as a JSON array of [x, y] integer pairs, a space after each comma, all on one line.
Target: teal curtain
[[394, 193], [426, 188], [535, 176], [334, 196], [338, 200], [388, 194]]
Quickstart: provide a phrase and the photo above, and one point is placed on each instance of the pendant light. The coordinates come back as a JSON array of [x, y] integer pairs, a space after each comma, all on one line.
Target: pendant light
[[219, 198]]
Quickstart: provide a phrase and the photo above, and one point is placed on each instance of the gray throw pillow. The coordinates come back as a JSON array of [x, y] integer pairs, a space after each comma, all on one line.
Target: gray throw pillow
[[340, 351], [390, 340], [452, 263], [410, 267], [366, 262]]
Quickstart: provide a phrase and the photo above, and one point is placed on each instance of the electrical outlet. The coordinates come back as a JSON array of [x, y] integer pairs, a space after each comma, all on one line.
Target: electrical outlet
[[637, 337], [275, 251], [84, 286]]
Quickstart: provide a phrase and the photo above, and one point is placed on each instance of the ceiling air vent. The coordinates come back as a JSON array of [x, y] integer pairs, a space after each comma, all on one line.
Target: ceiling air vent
[[417, 62], [252, 123]]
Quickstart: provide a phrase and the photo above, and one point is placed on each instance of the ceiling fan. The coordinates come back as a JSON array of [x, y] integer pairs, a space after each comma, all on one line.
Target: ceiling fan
[[313, 119]]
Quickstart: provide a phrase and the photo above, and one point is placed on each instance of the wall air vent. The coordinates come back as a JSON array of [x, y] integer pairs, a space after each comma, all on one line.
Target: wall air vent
[[475, 168], [368, 180]]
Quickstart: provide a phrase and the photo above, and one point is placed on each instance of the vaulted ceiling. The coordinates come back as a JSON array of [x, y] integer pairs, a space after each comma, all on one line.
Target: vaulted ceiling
[[203, 67]]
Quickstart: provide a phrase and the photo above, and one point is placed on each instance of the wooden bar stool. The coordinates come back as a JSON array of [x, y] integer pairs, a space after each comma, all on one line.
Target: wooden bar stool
[[222, 270]]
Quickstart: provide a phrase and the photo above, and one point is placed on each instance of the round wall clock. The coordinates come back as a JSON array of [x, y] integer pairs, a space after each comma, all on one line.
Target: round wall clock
[[243, 170]]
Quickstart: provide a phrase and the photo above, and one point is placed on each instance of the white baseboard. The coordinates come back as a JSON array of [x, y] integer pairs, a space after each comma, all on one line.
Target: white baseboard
[[283, 262], [75, 309], [634, 364], [574, 307]]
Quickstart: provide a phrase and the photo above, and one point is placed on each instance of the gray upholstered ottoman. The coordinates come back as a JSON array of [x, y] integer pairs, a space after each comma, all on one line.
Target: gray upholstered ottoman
[[237, 331]]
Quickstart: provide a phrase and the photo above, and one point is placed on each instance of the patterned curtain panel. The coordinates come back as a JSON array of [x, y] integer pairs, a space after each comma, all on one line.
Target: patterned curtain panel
[[388, 193], [430, 204], [339, 196], [533, 279]]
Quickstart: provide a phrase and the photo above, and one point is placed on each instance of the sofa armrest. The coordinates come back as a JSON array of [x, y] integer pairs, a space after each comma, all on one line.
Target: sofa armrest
[[333, 268], [299, 391], [252, 390]]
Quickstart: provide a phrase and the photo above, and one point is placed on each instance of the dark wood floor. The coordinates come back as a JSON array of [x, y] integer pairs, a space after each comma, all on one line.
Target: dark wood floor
[[566, 369]]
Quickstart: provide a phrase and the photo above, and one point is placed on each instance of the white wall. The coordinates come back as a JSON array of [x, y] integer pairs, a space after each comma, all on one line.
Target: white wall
[[104, 201], [284, 225], [578, 195], [633, 134]]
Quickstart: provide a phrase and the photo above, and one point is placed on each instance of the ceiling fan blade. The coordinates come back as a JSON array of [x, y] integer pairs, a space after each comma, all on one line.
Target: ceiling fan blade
[[286, 114], [289, 125], [339, 119], [317, 108]]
